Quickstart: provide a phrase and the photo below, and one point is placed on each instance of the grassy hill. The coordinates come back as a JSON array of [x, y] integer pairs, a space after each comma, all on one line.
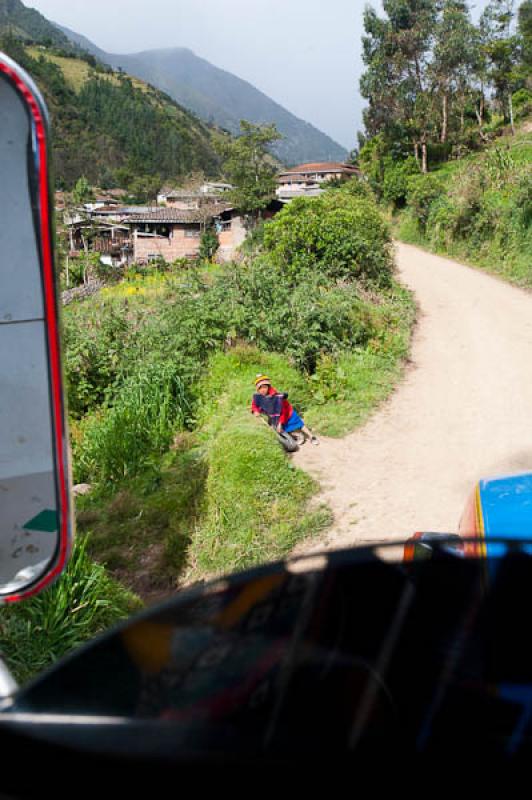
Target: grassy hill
[[29, 25], [115, 130], [477, 209]]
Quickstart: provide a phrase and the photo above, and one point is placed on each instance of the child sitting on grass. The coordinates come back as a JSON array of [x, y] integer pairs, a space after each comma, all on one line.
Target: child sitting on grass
[[281, 415]]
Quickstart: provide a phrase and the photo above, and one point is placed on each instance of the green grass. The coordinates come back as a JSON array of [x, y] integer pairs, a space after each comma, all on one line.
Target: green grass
[[365, 380], [483, 216], [84, 602], [77, 72], [347, 390], [142, 532], [256, 502]]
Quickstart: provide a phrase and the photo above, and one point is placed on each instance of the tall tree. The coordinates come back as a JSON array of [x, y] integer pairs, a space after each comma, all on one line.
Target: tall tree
[[250, 167], [453, 58], [398, 81], [502, 47], [525, 34]]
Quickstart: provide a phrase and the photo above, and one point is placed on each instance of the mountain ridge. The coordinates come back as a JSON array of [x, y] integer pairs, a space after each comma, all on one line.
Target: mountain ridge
[[219, 97]]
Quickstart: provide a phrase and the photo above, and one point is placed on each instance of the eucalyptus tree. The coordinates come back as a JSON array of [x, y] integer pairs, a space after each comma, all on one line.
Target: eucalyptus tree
[[525, 35], [502, 48], [398, 82], [454, 56]]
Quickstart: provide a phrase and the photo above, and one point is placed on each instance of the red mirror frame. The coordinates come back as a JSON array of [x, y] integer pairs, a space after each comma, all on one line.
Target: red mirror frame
[[38, 115]]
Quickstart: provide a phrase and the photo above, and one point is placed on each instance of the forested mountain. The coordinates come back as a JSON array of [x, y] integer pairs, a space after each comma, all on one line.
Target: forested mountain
[[28, 24], [113, 129], [219, 97]]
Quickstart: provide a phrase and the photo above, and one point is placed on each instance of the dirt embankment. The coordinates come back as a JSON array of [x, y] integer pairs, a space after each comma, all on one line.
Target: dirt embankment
[[462, 411]]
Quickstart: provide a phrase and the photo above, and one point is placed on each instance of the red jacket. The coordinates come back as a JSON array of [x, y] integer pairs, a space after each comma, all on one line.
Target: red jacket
[[286, 410]]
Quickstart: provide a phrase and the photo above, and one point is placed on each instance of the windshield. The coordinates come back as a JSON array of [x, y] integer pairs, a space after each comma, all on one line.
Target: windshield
[[273, 340]]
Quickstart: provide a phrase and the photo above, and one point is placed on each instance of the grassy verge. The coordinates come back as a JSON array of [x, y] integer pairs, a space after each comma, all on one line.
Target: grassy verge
[[347, 390], [512, 264], [478, 210], [256, 505], [84, 602], [142, 531], [228, 498]]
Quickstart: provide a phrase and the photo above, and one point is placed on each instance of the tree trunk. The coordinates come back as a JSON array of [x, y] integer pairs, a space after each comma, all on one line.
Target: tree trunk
[[445, 118], [416, 152], [479, 113], [511, 110], [424, 159]]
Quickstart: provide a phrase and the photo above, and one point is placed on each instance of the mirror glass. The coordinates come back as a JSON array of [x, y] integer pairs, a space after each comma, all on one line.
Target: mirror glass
[[34, 516]]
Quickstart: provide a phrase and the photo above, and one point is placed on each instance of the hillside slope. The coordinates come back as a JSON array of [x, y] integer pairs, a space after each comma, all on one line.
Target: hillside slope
[[222, 98], [29, 24], [113, 129], [479, 208]]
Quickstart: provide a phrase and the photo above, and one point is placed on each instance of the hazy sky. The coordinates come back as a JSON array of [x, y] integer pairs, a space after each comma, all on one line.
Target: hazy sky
[[305, 54]]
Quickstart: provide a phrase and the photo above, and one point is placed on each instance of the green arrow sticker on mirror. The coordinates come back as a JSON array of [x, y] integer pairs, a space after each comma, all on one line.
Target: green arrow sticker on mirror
[[45, 522]]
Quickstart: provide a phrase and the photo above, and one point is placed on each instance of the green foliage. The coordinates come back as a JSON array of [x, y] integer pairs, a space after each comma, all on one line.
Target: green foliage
[[302, 318], [135, 429], [209, 244], [249, 167], [480, 211], [114, 133], [82, 192], [421, 192], [336, 236], [84, 602], [522, 102], [395, 180], [372, 159], [142, 532], [94, 339], [356, 187]]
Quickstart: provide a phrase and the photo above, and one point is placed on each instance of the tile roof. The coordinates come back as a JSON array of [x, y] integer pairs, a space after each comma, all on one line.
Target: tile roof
[[321, 166], [169, 215]]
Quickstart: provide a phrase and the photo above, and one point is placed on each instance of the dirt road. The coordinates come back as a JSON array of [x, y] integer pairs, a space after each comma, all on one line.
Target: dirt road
[[463, 410]]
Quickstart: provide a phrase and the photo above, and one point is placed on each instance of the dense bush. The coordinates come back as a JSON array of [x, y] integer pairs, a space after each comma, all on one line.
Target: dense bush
[[135, 429], [422, 191], [395, 180], [299, 317], [337, 236]]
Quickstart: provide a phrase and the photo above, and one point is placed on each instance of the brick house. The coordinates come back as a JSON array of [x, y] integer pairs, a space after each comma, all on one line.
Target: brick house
[[173, 233]]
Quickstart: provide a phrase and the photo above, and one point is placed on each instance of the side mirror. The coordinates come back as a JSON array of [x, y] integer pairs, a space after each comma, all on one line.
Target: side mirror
[[35, 514]]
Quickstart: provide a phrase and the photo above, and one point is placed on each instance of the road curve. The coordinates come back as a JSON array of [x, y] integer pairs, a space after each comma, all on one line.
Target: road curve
[[463, 410]]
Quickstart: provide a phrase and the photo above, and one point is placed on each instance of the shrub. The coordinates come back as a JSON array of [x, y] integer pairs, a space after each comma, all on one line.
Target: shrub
[[423, 190], [395, 181], [209, 245], [341, 237], [302, 320], [95, 336]]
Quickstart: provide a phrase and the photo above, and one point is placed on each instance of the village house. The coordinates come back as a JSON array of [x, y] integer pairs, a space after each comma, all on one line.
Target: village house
[[141, 234], [207, 193], [111, 239], [309, 180], [173, 233]]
